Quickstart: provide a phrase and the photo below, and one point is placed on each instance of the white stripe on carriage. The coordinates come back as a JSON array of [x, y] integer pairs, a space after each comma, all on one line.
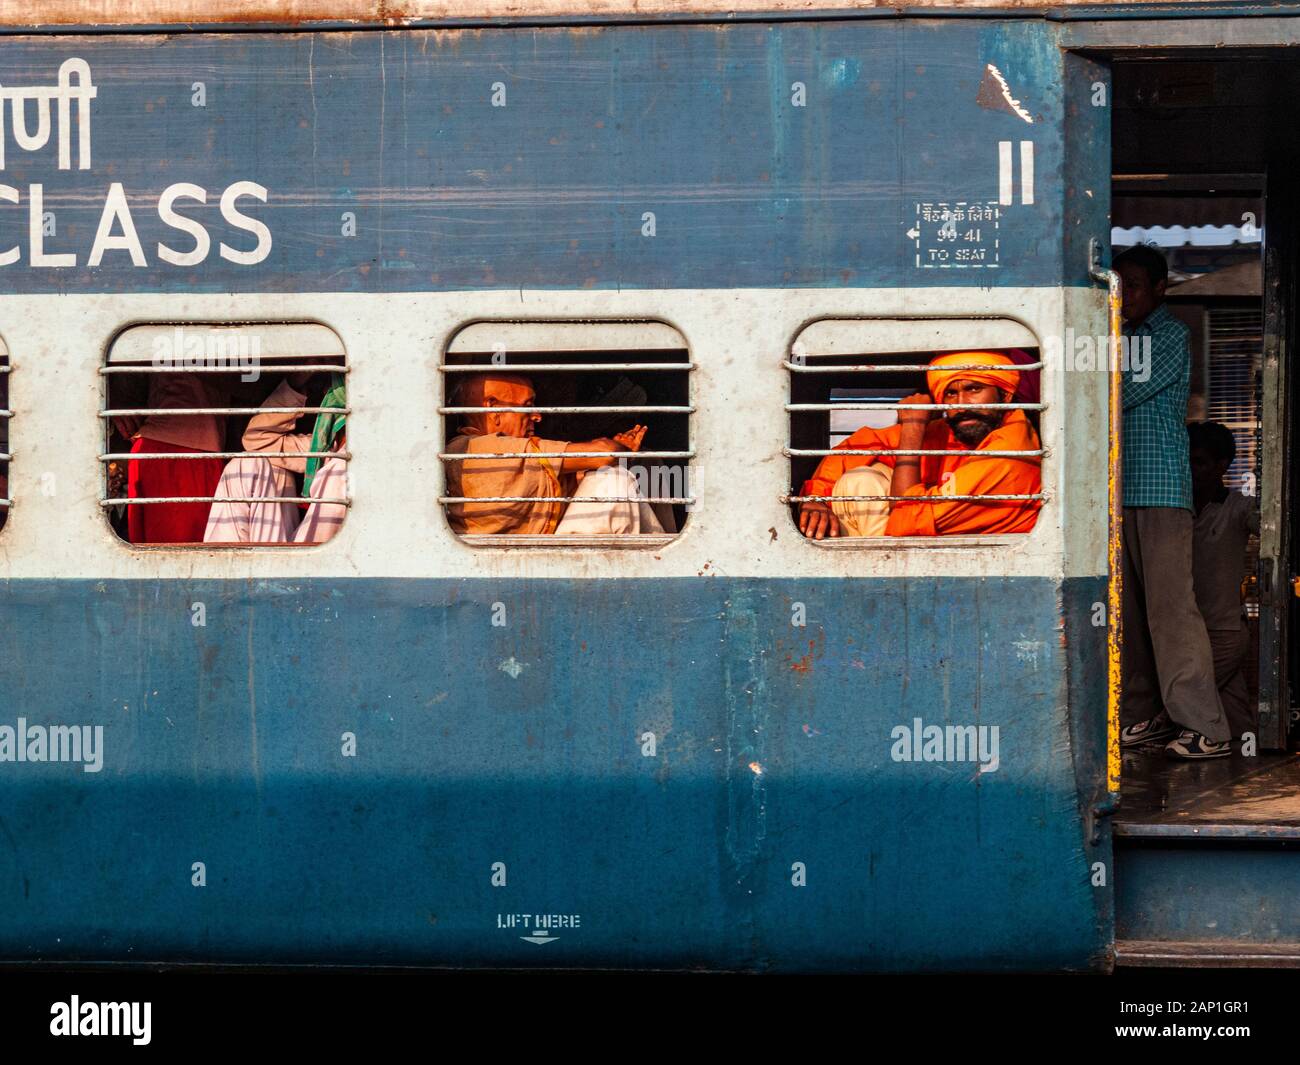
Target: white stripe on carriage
[[739, 340]]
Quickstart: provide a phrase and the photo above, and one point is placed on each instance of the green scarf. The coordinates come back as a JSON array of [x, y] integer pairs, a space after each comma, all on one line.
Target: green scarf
[[328, 427]]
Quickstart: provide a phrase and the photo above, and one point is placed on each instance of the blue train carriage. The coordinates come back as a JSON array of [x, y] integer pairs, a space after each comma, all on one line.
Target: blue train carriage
[[720, 746]]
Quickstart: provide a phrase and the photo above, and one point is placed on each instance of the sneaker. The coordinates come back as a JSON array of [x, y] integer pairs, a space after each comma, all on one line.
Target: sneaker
[[1153, 730], [1191, 745]]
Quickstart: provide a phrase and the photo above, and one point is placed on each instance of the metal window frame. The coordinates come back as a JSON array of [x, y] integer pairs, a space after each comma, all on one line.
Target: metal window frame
[[305, 343], [851, 335], [537, 336], [6, 457]]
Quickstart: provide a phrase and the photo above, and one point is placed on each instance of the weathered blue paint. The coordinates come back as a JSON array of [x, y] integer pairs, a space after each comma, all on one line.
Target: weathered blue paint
[[1209, 891], [1083, 616], [522, 744], [600, 126], [1086, 175]]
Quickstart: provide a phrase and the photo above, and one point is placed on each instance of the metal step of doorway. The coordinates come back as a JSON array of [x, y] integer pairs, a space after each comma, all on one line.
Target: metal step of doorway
[[1207, 862]]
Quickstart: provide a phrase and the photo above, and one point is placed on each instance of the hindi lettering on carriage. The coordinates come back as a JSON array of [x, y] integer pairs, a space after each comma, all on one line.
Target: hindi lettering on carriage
[[65, 92]]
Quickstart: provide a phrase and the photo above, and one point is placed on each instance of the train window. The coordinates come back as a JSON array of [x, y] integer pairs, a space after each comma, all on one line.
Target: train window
[[914, 428], [220, 434], [567, 432], [5, 415]]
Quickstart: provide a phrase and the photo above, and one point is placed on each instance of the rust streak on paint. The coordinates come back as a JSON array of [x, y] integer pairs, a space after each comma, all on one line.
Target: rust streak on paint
[[397, 12], [1114, 586], [804, 664]]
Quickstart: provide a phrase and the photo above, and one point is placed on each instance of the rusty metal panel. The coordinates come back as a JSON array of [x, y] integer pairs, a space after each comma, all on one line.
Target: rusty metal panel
[[795, 816], [396, 12]]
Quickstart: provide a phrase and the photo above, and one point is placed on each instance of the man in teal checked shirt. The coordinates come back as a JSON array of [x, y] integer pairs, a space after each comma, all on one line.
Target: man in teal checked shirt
[[1168, 667]]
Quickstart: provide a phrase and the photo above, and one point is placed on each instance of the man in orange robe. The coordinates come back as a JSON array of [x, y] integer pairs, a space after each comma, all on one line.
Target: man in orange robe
[[503, 444], [968, 427]]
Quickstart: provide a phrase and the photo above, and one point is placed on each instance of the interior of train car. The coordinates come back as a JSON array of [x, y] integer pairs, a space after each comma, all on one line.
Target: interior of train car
[[1204, 167], [206, 431], [176, 371], [848, 380], [591, 381]]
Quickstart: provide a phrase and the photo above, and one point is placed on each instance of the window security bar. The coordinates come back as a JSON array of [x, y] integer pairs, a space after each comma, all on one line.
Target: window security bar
[[567, 410], [151, 411], [131, 456], [911, 367], [903, 406], [127, 501], [559, 540], [5, 504], [799, 364], [941, 498], [236, 366], [589, 359], [796, 452], [557, 367], [461, 457], [565, 499]]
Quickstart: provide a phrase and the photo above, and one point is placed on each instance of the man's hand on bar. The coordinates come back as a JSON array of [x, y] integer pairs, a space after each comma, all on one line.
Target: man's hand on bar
[[817, 521]]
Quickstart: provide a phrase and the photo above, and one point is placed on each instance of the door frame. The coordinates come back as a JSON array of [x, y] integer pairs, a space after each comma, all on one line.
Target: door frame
[[1226, 40], [1275, 575]]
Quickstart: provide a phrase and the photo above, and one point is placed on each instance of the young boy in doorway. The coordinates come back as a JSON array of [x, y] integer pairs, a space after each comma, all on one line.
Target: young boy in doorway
[[1223, 524]]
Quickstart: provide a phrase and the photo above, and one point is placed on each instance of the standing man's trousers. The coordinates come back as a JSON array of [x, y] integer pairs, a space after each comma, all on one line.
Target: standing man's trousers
[[1167, 659]]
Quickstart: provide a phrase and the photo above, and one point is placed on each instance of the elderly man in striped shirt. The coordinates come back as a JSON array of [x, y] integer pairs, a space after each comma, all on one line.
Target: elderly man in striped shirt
[[1168, 667]]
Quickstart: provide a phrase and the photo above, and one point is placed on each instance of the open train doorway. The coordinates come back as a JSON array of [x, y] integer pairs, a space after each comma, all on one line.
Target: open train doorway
[[1204, 165]]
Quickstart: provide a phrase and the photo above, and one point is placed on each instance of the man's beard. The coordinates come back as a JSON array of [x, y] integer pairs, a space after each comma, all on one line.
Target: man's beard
[[971, 427]]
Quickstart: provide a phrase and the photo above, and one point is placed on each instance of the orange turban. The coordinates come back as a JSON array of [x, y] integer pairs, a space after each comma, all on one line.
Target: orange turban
[[939, 378], [508, 389]]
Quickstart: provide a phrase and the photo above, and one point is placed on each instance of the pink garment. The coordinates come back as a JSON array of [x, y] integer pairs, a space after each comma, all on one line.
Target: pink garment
[[253, 523], [269, 522], [323, 520], [276, 522]]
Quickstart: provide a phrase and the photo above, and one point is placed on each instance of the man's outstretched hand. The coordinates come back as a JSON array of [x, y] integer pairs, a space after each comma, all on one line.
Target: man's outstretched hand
[[631, 439]]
